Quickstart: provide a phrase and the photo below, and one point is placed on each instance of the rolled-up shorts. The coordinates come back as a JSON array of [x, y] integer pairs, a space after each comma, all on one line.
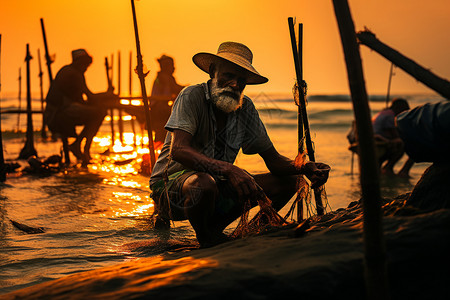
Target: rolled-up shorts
[[227, 201]]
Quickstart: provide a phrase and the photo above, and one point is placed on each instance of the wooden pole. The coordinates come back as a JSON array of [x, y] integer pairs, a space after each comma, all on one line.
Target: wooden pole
[[20, 98], [118, 92], [48, 59], [302, 108], [423, 75], [130, 91], [41, 89], [2, 158], [111, 111], [28, 150], [374, 246], [389, 84], [140, 71]]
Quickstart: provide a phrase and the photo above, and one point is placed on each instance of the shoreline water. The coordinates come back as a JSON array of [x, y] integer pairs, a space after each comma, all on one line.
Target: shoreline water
[[89, 214]]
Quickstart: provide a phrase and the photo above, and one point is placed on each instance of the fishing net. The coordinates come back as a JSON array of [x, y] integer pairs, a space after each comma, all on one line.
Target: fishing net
[[266, 217]]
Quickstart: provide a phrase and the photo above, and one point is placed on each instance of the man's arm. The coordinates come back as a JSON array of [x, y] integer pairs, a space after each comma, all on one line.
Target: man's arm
[[280, 165], [185, 154]]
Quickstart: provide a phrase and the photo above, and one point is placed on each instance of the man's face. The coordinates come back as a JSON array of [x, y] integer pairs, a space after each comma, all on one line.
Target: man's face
[[227, 87]]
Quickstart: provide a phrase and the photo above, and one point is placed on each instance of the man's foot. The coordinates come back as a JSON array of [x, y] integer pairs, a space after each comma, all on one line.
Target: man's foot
[[76, 151], [216, 240]]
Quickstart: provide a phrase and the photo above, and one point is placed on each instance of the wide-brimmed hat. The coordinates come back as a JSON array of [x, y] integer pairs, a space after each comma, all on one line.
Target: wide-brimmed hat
[[235, 53], [80, 54]]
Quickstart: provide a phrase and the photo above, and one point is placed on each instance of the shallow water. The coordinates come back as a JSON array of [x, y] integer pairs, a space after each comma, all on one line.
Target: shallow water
[[99, 216]]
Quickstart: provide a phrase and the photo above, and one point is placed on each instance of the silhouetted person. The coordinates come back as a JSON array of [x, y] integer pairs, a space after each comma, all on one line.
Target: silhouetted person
[[385, 130], [66, 106], [166, 87]]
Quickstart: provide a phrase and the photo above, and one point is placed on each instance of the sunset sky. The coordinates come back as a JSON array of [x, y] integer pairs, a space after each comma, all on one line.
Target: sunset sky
[[179, 28]]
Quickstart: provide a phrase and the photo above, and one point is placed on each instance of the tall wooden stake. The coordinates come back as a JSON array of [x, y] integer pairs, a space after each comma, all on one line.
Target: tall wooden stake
[[2, 158], [302, 110], [111, 111], [20, 98], [140, 71], [48, 59], [28, 150], [43, 131], [118, 92], [130, 91], [374, 247], [389, 84]]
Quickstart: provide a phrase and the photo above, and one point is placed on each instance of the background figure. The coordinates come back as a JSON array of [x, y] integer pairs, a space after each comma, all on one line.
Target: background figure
[[166, 87], [386, 131], [66, 106]]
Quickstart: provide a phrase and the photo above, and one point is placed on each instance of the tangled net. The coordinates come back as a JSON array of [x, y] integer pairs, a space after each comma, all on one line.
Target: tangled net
[[268, 217]]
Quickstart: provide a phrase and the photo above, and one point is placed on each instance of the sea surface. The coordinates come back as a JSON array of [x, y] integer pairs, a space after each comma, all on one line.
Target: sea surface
[[100, 215]]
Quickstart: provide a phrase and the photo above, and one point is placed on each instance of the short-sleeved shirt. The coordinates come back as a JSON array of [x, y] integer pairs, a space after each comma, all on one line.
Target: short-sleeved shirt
[[193, 112], [384, 122]]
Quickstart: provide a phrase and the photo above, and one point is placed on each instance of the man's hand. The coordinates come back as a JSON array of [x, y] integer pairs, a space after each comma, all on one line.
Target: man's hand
[[317, 173], [244, 183]]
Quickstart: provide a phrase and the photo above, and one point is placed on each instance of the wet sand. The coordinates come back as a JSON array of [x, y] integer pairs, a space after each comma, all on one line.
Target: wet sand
[[326, 261]]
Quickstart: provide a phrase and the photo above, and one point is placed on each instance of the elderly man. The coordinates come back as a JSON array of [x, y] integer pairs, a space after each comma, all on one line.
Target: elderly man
[[66, 106], [194, 177]]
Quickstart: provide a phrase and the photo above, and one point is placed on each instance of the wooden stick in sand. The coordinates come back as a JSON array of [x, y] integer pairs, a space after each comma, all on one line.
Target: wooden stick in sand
[[111, 111], [374, 246], [28, 150], [118, 92], [303, 113], [140, 71], [2, 158], [41, 89], [130, 91], [20, 98]]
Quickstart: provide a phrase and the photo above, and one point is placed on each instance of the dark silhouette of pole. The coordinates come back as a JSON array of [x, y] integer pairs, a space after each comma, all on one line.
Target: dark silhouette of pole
[[130, 91], [391, 71], [20, 98], [302, 109], [28, 150], [41, 89], [421, 74], [374, 246], [2, 158], [48, 59], [118, 92], [111, 111], [140, 71]]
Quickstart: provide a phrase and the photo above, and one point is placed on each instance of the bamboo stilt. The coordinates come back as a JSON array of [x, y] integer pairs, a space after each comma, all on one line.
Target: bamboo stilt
[[28, 150], [374, 247]]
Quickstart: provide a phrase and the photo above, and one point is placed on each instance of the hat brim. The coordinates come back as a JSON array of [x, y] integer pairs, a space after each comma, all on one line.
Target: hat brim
[[203, 60]]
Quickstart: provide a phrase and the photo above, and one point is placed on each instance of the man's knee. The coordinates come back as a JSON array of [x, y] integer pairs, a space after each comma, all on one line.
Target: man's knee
[[199, 186]]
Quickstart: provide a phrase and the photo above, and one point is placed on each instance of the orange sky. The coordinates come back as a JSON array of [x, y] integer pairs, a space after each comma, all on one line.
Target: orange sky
[[182, 28]]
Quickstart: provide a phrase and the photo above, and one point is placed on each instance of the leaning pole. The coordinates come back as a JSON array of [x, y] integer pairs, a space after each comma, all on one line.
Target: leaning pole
[[375, 267], [434, 82]]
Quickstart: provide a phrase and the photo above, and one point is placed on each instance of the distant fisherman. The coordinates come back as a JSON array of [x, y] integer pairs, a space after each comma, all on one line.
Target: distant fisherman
[[67, 108], [209, 124], [385, 131]]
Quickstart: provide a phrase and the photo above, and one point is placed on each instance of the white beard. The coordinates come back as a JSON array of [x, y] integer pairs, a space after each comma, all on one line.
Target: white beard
[[226, 99]]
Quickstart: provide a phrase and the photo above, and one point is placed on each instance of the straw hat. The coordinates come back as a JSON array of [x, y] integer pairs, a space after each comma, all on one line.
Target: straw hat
[[235, 53], [80, 54]]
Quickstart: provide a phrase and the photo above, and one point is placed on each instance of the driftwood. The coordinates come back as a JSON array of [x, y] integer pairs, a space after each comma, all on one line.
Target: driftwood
[[423, 75], [373, 239]]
